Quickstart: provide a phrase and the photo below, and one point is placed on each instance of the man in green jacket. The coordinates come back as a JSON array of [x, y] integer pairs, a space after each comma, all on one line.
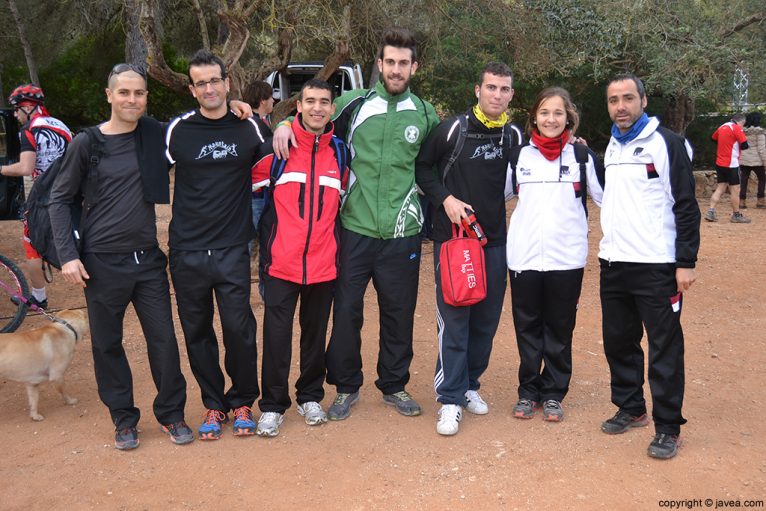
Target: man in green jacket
[[381, 218]]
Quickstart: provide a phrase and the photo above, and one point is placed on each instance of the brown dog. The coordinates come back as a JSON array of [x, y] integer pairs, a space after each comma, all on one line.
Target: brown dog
[[42, 354]]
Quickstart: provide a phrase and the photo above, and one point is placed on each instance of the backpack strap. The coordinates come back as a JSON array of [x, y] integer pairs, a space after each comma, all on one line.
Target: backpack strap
[[458, 148], [341, 155], [277, 167], [581, 156], [513, 160], [89, 182]]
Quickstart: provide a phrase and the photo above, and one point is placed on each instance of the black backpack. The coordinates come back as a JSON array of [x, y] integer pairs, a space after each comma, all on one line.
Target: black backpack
[[36, 207]]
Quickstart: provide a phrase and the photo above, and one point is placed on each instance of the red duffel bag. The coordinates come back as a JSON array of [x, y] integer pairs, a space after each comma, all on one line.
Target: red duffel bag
[[463, 279]]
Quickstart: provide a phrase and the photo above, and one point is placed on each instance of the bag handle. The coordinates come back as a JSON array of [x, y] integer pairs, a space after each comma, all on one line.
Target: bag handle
[[458, 231]]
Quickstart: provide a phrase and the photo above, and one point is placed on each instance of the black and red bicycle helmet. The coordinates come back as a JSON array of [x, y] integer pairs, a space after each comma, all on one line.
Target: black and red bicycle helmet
[[26, 94]]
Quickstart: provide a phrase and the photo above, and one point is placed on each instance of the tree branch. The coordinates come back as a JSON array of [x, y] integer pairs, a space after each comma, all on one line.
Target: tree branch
[[197, 8], [158, 67], [755, 18]]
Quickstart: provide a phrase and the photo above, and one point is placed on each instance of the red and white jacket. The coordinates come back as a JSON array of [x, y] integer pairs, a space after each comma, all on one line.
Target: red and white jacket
[[300, 226]]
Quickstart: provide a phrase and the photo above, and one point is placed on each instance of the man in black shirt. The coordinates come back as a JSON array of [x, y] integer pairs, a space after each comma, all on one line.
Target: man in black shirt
[[214, 153], [474, 180], [121, 262]]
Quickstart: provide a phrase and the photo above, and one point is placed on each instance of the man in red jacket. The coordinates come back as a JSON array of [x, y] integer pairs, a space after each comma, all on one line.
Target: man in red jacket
[[299, 233]]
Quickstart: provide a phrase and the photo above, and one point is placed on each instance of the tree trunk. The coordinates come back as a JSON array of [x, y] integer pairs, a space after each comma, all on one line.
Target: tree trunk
[[31, 63], [135, 47], [158, 68], [202, 23], [679, 113]]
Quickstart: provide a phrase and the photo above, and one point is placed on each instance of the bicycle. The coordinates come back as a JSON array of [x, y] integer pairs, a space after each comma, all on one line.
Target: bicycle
[[13, 284]]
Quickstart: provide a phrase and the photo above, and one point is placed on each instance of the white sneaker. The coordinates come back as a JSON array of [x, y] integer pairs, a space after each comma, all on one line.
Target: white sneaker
[[268, 424], [312, 413], [449, 419], [476, 404]]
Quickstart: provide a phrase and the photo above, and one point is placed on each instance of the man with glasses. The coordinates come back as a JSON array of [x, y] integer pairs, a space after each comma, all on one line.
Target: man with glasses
[[214, 152], [43, 140], [121, 262]]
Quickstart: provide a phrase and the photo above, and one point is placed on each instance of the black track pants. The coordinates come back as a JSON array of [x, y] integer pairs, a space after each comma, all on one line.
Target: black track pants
[[633, 296], [544, 305], [280, 302], [394, 267], [199, 275], [115, 281]]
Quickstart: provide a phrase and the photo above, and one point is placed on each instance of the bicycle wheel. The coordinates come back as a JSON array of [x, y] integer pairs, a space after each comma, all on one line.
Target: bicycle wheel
[[12, 284]]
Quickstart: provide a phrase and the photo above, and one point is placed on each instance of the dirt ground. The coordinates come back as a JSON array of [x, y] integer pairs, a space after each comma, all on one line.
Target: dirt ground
[[379, 460]]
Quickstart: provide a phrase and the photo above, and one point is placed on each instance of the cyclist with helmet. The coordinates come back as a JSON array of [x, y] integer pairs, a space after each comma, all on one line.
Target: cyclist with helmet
[[43, 140]]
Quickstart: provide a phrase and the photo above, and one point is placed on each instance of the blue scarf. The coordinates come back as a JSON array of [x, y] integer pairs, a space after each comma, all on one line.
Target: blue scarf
[[633, 132]]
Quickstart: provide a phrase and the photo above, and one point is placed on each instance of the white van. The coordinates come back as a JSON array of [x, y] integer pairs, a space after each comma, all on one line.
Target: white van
[[288, 82]]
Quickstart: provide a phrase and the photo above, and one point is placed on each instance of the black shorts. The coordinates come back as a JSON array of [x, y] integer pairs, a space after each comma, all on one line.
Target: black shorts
[[728, 175]]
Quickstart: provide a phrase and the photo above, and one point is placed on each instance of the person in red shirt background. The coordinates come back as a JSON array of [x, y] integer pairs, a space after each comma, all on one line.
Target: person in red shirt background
[[731, 140], [43, 140]]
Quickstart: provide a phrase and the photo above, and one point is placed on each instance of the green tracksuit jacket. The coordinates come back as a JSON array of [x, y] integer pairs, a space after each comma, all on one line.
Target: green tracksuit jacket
[[384, 134]]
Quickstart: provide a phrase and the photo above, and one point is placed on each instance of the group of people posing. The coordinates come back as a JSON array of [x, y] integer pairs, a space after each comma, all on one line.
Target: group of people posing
[[339, 187]]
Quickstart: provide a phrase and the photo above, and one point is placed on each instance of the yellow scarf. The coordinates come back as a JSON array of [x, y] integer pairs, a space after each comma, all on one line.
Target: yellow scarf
[[486, 121]]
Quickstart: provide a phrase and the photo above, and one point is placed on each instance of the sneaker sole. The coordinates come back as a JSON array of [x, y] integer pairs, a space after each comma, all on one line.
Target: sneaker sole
[[553, 418], [351, 403], [522, 415], [637, 424], [126, 446], [477, 412], [267, 434], [178, 440], [316, 422], [662, 455], [209, 436], [243, 431], [447, 433], [406, 413]]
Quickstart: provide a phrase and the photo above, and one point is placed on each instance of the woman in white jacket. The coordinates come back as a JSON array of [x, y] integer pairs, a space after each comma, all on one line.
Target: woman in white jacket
[[547, 249]]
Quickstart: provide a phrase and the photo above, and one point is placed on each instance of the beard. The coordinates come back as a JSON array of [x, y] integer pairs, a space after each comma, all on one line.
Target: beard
[[395, 88]]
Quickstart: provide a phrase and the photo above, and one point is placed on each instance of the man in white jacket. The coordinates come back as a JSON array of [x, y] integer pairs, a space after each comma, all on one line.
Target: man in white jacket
[[650, 220]]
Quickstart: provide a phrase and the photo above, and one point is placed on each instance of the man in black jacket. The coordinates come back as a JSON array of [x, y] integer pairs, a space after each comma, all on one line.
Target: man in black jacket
[[121, 262], [473, 178]]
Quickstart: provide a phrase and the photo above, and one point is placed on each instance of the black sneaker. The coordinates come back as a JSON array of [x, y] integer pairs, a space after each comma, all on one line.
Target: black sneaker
[[31, 300], [341, 407], [664, 446], [403, 402], [180, 433], [623, 421], [126, 439]]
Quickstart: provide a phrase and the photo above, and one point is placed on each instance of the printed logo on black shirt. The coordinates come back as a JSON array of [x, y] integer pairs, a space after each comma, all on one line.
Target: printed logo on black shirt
[[488, 152], [217, 150]]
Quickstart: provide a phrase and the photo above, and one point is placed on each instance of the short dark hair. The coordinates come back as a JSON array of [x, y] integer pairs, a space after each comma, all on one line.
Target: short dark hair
[[497, 69], [316, 83], [258, 92], [753, 119], [738, 117], [399, 38], [630, 76], [205, 58]]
